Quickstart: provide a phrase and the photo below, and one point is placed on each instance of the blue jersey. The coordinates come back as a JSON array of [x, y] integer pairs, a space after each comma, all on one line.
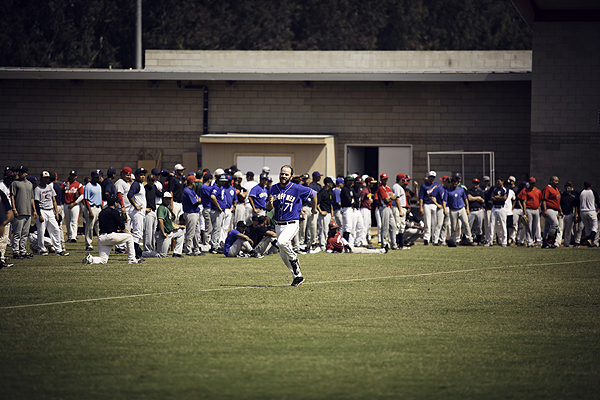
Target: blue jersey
[[189, 201], [336, 198], [230, 240], [217, 191], [456, 198], [230, 196], [425, 191], [287, 201], [259, 196], [205, 195], [440, 194]]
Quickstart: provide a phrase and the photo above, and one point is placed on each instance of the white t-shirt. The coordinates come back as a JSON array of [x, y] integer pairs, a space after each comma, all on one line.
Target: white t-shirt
[[586, 200], [44, 195], [399, 192], [508, 203], [123, 187]]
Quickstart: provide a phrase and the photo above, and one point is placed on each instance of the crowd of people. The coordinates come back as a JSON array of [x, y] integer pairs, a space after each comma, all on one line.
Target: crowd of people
[[146, 213]]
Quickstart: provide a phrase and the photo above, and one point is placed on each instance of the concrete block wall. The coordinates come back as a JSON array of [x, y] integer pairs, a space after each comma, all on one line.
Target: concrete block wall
[[85, 125], [186, 59], [565, 130]]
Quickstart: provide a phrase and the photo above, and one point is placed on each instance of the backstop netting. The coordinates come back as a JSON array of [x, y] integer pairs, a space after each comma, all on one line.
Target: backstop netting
[[471, 164]]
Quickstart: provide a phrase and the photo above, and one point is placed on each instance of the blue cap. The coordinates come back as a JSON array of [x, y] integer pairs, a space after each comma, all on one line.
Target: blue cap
[[339, 180], [32, 179], [317, 173]]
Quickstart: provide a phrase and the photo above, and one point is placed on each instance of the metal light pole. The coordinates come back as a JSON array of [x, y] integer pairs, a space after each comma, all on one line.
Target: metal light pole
[[138, 34]]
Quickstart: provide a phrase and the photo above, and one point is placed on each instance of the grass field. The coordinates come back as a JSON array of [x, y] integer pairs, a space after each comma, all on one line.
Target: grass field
[[463, 323]]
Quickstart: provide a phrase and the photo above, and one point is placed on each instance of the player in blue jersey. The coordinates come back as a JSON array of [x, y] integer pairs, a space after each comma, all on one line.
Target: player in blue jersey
[[286, 198]]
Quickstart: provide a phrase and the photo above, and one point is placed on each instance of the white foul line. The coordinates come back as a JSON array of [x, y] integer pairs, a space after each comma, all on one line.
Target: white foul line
[[308, 283]]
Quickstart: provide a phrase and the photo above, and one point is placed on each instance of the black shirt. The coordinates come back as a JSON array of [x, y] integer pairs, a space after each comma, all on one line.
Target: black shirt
[[152, 193], [568, 202], [347, 196], [176, 187], [324, 199], [110, 220], [258, 233], [475, 205]]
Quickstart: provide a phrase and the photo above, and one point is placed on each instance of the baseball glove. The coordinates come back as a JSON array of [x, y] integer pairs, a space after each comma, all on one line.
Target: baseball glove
[[524, 219]]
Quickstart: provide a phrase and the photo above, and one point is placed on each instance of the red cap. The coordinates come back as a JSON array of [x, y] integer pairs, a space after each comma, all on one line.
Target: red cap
[[383, 176], [444, 178], [475, 180], [192, 179], [532, 180], [126, 170], [400, 176], [333, 225]]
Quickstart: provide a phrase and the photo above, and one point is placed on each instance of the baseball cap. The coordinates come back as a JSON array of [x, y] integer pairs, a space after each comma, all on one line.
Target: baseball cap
[[140, 171], [458, 175], [333, 225], [223, 178], [73, 173], [126, 170], [151, 177], [317, 173], [178, 167], [164, 172], [383, 176], [475, 180], [32, 179], [486, 178], [45, 174], [350, 178], [219, 171], [264, 176], [238, 174], [112, 171], [191, 179], [207, 176], [532, 179], [400, 176], [304, 177], [431, 173], [8, 173], [339, 180], [512, 178], [358, 180], [167, 194], [266, 169], [155, 171], [370, 179], [95, 173], [23, 169], [444, 178], [365, 177]]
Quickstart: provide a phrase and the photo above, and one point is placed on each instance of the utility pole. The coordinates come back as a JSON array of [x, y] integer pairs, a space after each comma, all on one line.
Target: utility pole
[[138, 34]]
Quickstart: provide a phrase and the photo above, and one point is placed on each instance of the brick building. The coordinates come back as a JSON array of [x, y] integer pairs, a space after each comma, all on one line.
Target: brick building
[[335, 111], [332, 111]]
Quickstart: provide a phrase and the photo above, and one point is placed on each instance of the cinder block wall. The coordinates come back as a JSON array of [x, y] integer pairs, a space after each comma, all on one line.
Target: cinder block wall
[[85, 125], [565, 131]]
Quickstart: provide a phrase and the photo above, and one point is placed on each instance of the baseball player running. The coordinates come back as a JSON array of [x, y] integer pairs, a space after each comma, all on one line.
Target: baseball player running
[[286, 197]]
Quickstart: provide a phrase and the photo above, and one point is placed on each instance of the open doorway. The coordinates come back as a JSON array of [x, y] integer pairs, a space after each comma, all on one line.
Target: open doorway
[[374, 160]]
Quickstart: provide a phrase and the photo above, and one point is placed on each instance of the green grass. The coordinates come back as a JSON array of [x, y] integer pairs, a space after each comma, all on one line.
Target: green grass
[[509, 323]]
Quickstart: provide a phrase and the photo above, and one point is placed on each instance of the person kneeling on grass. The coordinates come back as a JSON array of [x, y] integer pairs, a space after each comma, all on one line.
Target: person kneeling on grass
[[236, 243], [337, 244], [112, 232], [167, 231]]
